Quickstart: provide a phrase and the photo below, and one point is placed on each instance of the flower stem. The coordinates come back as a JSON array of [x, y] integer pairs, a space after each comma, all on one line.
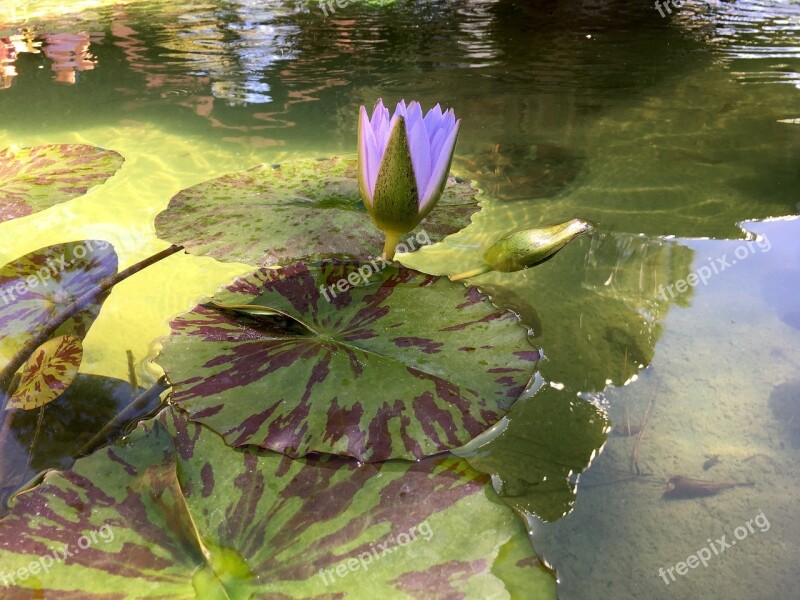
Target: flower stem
[[390, 245], [472, 273]]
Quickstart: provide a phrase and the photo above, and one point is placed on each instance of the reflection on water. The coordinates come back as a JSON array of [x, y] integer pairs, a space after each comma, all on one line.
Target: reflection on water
[[648, 127], [83, 418], [758, 39]]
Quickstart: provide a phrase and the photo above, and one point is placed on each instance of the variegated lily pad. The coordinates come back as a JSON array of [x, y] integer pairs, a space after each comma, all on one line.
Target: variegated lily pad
[[34, 287], [32, 179], [302, 210], [50, 371], [175, 513], [405, 366]]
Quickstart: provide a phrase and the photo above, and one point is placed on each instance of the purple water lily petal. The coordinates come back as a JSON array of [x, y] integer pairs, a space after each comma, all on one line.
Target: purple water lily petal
[[368, 153], [440, 168], [431, 141], [420, 154]]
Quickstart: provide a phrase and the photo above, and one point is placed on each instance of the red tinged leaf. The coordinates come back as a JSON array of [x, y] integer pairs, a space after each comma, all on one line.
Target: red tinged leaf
[[32, 179], [376, 371], [175, 513], [48, 373]]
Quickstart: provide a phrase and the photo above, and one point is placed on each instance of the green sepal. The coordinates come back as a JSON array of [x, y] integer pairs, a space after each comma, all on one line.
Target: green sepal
[[523, 249], [395, 204]]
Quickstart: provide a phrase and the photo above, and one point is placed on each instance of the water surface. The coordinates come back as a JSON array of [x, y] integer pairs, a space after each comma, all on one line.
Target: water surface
[[666, 133]]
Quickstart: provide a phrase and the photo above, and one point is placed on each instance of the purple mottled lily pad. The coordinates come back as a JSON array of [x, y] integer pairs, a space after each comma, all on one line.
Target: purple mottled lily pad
[[34, 287], [404, 366], [32, 179], [48, 373], [175, 513], [301, 210]]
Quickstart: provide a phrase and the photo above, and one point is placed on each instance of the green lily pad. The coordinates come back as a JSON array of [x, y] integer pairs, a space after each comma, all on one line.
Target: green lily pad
[[535, 460], [32, 179], [175, 513], [50, 371], [303, 210], [406, 366], [34, 287], [617, 284]]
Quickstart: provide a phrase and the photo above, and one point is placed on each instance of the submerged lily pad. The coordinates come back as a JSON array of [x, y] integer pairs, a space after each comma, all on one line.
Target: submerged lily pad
[[515, 171], [302, 210], [175, 513], [50, 371], [32, 179], [403, 367], [34, 287]]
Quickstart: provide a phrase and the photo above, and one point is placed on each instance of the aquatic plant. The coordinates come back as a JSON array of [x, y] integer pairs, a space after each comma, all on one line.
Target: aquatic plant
[[302, 210], [32, 179], [334, 359], [403, 163]]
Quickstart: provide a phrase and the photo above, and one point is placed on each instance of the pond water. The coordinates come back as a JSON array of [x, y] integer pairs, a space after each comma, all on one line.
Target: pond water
[[678, 137]]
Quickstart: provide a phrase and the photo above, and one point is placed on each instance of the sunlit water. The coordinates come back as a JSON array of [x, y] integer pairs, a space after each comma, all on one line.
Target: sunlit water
[[662, 131]]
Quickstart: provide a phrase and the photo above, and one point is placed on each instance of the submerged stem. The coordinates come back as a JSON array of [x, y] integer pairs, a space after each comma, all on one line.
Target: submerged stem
[[137, 404], [472, 273]]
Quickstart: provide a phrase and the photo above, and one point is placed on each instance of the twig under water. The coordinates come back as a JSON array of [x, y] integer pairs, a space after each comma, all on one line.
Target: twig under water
[[635, 457], [136, 405]]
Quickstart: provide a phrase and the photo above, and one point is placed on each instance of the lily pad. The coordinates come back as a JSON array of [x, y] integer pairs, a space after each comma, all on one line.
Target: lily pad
[[32, 179], [48, 373], [34, 287], [616, 283], [302, 210], [175, 513], [549, 440], [403, 367]]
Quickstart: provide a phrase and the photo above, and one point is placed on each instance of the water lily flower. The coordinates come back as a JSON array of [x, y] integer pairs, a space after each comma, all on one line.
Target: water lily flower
[[403, 163]]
